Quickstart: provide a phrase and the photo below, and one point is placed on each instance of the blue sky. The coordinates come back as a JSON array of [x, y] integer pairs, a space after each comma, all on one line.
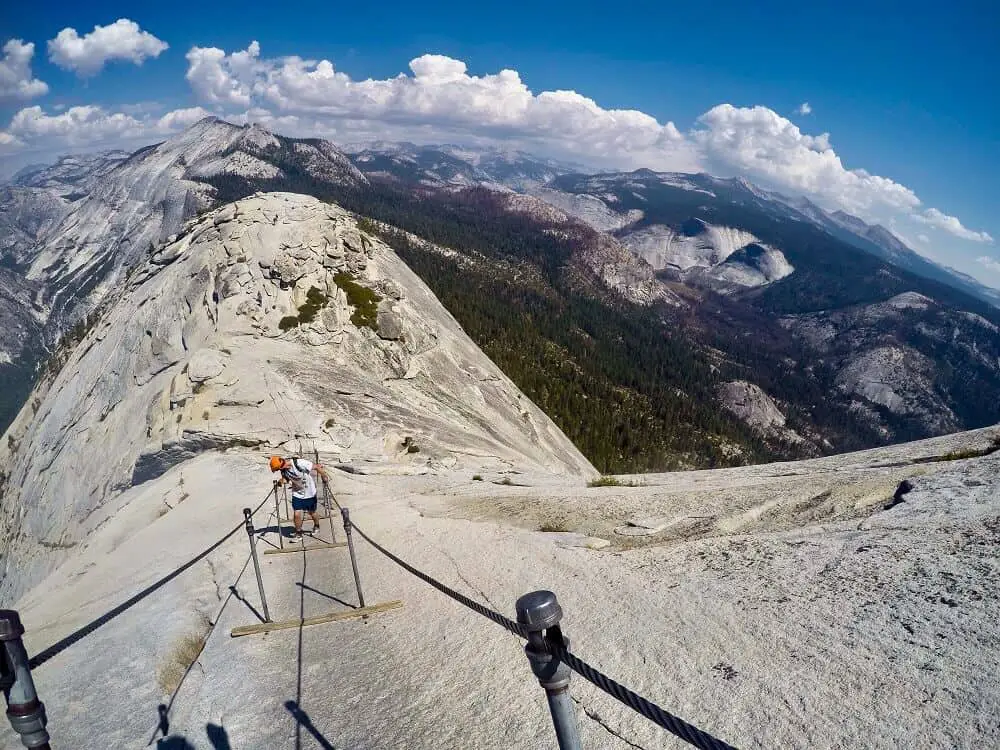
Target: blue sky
[[906, 92]]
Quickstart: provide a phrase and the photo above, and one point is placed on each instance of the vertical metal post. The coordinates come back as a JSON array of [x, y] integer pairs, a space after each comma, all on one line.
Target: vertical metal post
[[277, 518], [25, 712], [350, 546], [329, 509], [248, 516], [327, 505], [540, 613], [288, 512]]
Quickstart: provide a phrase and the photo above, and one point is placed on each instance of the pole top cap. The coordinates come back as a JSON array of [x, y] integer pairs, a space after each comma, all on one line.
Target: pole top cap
[[538, 610], [10, 625]]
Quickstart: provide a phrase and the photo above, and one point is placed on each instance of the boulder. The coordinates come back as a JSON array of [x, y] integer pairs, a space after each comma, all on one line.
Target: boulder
[[390, 324], [205, 365]]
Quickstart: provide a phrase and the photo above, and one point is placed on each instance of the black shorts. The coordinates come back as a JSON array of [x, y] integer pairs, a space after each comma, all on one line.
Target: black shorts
[[308, 504]]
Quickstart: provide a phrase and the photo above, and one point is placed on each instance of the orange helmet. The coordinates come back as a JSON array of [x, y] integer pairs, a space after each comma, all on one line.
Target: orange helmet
[[276, 463]]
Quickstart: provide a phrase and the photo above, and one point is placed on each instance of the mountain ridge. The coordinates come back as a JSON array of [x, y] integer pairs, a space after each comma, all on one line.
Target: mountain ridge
[[784, 269]]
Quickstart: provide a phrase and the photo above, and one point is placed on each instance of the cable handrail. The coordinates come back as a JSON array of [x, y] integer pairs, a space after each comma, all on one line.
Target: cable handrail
[[668, 721], [57, 648]]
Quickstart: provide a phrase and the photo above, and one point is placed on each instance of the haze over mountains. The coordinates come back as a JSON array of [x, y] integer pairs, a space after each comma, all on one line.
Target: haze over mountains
[[655, 298]]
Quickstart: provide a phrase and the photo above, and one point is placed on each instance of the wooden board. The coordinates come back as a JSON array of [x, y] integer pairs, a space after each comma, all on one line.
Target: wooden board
[[305, 516], [293, 546], [265, 627]]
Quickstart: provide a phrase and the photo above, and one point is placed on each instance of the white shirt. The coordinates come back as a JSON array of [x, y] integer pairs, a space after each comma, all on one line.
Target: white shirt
[[301, 481]]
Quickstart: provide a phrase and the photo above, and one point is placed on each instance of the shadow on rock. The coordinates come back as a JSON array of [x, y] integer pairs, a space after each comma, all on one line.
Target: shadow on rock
[[174, 743], [302, 719], [218, 737]]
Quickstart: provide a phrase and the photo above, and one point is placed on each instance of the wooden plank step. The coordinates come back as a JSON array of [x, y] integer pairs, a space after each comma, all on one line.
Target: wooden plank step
[[306, 516], [266, 627], [293, 546]]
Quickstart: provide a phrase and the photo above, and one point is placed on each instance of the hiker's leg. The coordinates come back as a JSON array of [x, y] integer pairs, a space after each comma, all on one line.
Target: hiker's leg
[[298, 521], [315, 520]]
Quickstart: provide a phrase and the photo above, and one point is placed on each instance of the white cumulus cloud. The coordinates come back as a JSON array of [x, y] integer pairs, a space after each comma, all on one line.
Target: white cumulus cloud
[[804, 109], [951, 224], [759, 142], [89, 125], [441, 95], [228, 80], [179, 119], [121, 40], [15, 72], [75, 126]]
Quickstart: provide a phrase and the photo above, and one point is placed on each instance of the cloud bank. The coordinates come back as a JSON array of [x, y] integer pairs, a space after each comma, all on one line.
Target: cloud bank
[[90, 125], [16, 82], [952, 225], [442, 95], [760, 142], [86, 55]]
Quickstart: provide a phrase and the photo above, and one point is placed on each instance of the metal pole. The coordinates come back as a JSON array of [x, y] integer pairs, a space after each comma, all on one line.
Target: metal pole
[[329, 510], [327, 505], [277, 518], [540, 613], [248, 516], [288, 512], [350, 546], [25, 712]]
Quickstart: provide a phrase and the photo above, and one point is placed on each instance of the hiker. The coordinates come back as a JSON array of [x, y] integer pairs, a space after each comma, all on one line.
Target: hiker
[[298, 473]]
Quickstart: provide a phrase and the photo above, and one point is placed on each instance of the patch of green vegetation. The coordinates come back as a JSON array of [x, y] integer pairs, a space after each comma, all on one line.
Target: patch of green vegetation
[[315, 300], [551, 527], [477, 478], [993, 447], [607, 481], [57, 545], [361, 298], [604, 482]]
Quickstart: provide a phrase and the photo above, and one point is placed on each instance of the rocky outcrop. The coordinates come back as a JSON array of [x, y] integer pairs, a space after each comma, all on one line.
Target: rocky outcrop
[[599, 253], [749, 402], [754, 407], [901, 380], [270, 322]]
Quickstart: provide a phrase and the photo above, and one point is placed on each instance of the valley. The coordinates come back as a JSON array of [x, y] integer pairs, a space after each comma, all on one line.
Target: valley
[[634, 294]]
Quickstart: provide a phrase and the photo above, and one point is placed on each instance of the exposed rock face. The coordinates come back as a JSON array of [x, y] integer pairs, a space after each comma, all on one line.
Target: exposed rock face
[[600, 253], [756, 408], [749, 402], [588, 208], [718, 256], [874, 349], [900, 379], [200, 344]]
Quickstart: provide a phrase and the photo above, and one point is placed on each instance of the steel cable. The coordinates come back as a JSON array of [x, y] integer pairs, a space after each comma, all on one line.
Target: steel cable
[[673, 724], [57, 648]]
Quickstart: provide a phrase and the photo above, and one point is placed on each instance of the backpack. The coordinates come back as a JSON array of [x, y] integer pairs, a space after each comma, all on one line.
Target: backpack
[[298, 483]]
